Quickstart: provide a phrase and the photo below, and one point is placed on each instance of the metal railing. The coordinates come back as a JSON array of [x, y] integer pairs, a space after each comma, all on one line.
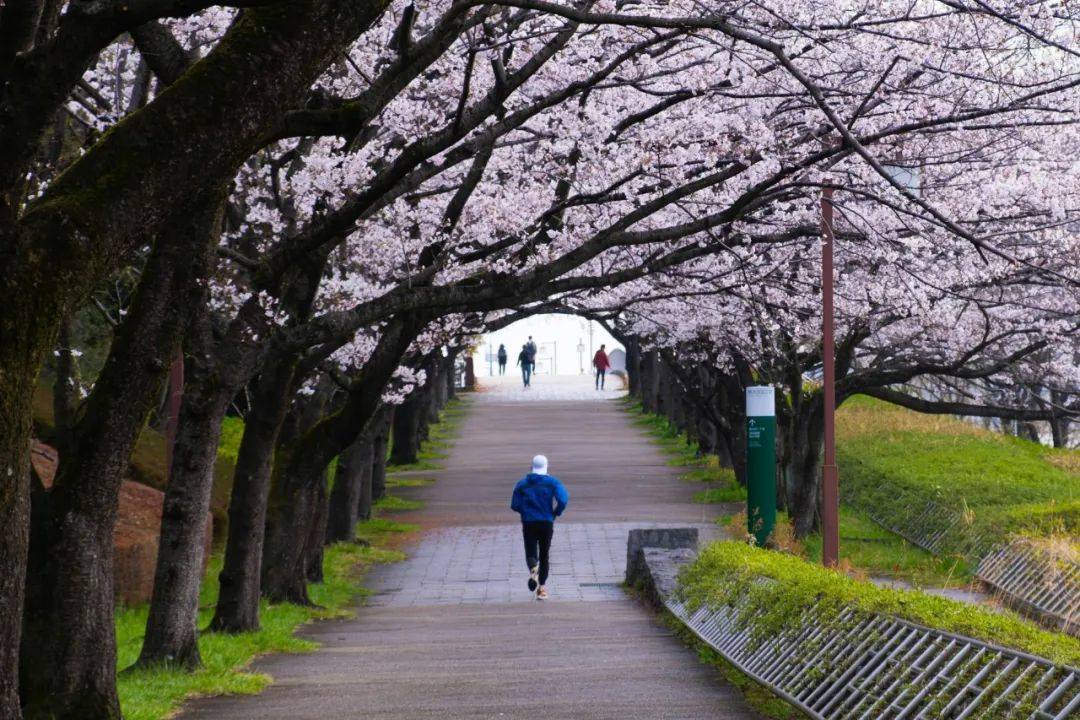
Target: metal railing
[[1035, 582], [881, 668], [1026, 578], [934, 527]]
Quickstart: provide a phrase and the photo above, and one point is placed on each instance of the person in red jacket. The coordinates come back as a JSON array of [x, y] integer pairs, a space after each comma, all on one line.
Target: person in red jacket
[[601, 363]]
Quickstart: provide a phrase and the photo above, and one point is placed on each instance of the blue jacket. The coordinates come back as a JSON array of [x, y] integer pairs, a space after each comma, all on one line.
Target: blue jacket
[[539, 498]]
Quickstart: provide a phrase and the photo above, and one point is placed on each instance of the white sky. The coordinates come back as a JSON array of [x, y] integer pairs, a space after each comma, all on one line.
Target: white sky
[[556, 338]]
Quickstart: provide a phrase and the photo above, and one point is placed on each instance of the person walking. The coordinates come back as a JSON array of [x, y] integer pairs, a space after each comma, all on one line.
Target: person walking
[[601, 363], [530, 348], [502, 359], [526, 365], [539, 498]]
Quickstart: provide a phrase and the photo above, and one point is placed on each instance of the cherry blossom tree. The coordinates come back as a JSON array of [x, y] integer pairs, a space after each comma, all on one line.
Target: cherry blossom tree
[[331, 182]]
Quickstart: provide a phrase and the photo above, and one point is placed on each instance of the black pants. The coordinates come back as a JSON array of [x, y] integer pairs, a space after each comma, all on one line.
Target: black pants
[[537, 544], [502, 367], [600, 378]]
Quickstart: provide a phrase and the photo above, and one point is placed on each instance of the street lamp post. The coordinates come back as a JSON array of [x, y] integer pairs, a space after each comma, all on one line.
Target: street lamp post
[[581, 356], [830, 495]]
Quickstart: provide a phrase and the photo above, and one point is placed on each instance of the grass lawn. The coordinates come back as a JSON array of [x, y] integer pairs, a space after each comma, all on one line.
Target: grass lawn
[[894, 461]]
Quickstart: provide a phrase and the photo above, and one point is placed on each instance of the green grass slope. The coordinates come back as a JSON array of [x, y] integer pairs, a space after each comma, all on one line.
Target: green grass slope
[[891, 459]]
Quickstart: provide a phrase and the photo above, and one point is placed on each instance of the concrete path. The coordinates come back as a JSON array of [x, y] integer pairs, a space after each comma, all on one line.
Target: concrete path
[[453, 632]]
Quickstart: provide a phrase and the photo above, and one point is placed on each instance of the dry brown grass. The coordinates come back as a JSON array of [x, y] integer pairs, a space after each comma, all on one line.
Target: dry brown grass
[[1067, 460], [859, 419]]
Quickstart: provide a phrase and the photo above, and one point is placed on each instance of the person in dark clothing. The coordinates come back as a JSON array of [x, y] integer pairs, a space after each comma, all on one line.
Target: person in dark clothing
[[530, 348], [601, 363], [539, 498], [502, 359], [526, 366]]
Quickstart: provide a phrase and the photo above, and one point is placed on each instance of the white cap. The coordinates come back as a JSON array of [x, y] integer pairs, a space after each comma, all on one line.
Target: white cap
[[539, 465]]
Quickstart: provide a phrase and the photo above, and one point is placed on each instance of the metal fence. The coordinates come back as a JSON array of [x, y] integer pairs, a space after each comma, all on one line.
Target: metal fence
[[1046, 588], [1035, 582], [882, 668], [932, 526]]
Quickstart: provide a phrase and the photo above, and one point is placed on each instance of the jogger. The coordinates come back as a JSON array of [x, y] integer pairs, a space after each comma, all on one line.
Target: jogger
[[539, 498]]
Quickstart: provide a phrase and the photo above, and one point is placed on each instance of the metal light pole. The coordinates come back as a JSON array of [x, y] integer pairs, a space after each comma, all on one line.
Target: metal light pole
[[580, 356], [491, 369], [830, 495]]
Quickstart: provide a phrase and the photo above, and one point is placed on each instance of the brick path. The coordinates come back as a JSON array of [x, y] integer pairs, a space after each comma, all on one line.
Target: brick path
[[452, 632]]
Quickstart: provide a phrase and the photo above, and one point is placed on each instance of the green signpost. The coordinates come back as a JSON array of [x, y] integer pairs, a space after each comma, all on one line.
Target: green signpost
[[760, 462]]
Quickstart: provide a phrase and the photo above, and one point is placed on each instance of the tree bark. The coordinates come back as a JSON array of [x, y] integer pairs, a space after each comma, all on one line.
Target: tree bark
[[405, 449], [351, 496], [68, 659], [317, 536], [299, 466], [20, 362], [633, 367], [805, 442], [171, 629], [435, 388], [365, 501], [1059, 426], [650, 382], [379, 446], [63, 388], [239, 581], [451, 379]]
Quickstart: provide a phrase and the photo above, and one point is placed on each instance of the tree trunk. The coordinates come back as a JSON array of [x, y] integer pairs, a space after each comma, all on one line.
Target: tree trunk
[[365, 500], [171, 631], [20, 363], [650, 382], [64, 388], [633, 368], [434, 388], [238, 595], [171, 628], [803, 472], [352, 481], [1059, 426], [379, 446], [317, 536], [451, 375], [68, 660], [299, 466], [406, 430], [288, 527], [294, 504]]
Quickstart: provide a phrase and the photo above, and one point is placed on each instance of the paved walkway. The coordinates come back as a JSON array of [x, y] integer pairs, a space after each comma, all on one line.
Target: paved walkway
[[453, 632]]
